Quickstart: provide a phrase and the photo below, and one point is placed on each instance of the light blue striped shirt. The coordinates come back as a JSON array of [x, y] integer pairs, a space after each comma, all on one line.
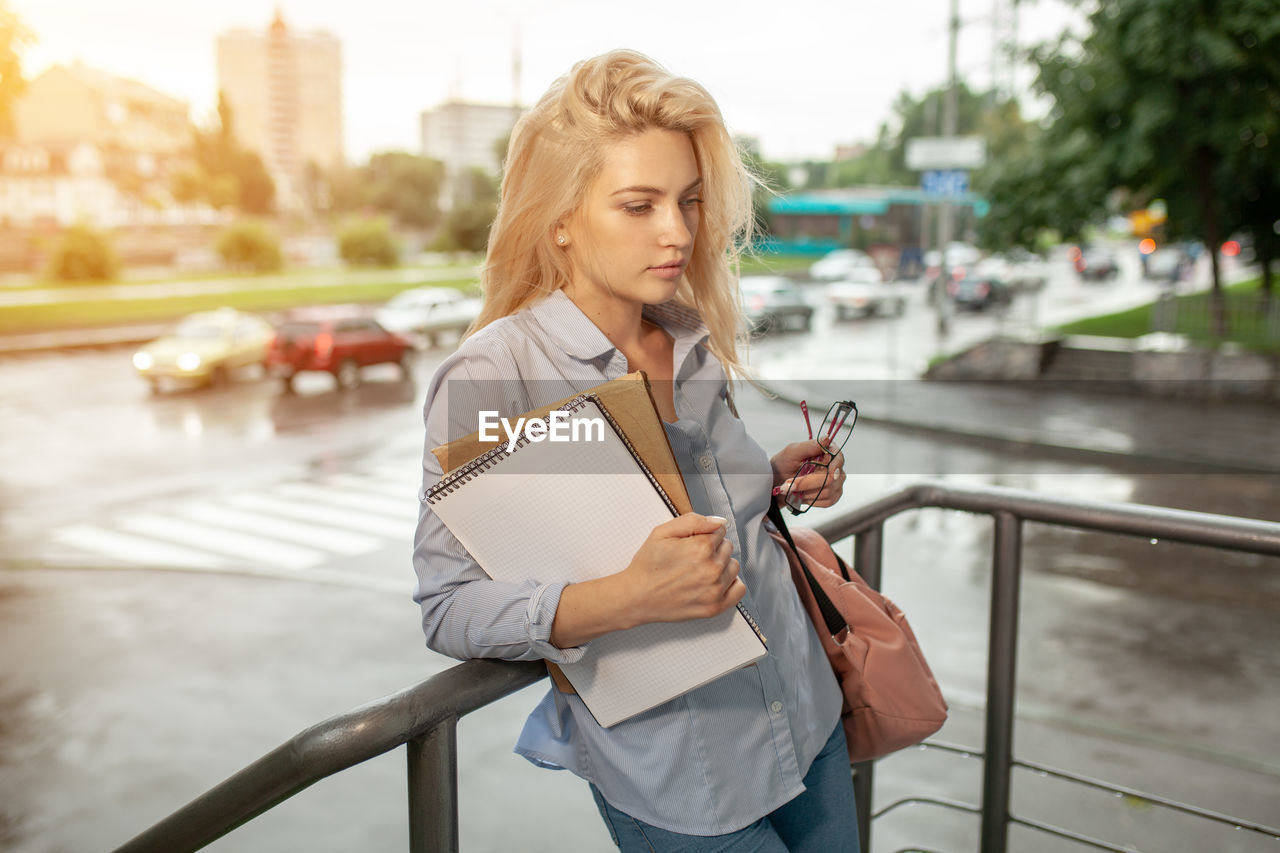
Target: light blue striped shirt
[[711, 761]]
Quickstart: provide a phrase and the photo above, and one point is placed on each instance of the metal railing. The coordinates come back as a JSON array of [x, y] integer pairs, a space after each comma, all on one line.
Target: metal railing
[[1250, 317], [424, 717]]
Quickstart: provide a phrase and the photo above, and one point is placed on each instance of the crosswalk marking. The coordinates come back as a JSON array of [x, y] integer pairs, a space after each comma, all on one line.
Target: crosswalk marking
[[134, 549], [288, 528], [338, 541], [343, 518], [406, 508], [221, 540], [399, 488]]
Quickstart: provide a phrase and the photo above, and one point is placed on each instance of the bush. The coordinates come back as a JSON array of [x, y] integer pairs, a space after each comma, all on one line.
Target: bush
[[250, 245], [368, 243], [467, 228], [83, 254]]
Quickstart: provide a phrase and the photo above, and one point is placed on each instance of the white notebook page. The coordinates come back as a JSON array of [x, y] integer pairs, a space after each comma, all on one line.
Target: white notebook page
[[552, 511]]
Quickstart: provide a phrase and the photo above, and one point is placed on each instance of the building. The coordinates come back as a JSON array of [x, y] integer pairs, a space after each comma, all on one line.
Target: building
[[94, 148], [285, 93], [464, 136], [859, 217], [75, 104]]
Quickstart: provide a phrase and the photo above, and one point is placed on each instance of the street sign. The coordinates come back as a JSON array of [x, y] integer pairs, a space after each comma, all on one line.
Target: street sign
[[946, 152], [937, 183]]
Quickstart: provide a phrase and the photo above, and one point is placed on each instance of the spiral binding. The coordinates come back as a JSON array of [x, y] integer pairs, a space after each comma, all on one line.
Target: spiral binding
[[491, 458]]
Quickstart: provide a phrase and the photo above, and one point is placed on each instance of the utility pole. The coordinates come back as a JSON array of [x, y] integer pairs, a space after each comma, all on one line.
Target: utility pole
[[945, 211]]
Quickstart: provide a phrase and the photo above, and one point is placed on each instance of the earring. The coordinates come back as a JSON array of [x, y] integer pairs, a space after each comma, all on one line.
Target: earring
[[560, 239]]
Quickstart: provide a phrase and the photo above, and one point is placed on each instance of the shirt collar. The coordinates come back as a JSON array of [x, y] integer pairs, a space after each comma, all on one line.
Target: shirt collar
[[573, 331]]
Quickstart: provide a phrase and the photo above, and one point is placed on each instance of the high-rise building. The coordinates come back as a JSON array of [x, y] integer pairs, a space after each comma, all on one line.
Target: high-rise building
[[465, 135], [285, 92]]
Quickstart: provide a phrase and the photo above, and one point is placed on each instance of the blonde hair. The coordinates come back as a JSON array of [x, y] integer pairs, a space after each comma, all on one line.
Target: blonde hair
[[558, 148]]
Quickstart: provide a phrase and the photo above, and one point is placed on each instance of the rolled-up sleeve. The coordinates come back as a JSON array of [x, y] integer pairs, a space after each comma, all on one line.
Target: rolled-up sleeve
[[466, 614]]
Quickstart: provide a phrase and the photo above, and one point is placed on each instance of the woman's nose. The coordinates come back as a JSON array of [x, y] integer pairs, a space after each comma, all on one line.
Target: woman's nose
[[675, 231]]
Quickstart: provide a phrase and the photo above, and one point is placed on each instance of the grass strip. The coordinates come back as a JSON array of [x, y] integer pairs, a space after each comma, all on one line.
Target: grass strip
[[88, 313], [1249, 328]]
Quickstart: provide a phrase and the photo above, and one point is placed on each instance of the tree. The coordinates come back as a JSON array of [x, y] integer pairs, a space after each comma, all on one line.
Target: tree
[[224, 173], [406, 186], [250, 245], [368, 243], [1171, 99], [14, 36], [401, 185], [83, 254], [772, 180]]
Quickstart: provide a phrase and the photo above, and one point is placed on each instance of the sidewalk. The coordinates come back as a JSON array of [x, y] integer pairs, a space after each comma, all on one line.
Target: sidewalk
[[1166, 434]]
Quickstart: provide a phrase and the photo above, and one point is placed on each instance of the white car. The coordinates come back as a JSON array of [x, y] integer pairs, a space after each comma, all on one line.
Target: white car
[[863, 293], [959, 254], [1023, 272], [838, 264], [428, 311]]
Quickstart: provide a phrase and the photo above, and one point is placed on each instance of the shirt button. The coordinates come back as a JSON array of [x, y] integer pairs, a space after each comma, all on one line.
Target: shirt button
[[705, 461], [776, 707]]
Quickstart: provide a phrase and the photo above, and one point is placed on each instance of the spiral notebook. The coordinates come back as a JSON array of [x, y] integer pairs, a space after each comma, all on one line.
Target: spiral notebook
[[579, 509]]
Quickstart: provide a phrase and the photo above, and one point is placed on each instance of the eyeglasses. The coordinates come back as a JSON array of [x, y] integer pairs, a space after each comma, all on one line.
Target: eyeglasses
[[835, 430]]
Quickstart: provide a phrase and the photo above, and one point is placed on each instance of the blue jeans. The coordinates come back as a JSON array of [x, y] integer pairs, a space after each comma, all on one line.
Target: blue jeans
[[821, 820]]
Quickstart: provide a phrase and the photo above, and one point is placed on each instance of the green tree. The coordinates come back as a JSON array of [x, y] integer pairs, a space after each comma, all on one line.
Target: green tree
[[368, 242], [772, 179], [83, 254], [250, 245], [467, 228], [475, 204], [873, 166], [405, 186], [223, 172], [14, 37], [1172, 99]]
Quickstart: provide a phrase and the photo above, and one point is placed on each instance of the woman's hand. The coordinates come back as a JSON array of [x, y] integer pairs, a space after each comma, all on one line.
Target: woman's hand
[[684, 570], [788, 461]]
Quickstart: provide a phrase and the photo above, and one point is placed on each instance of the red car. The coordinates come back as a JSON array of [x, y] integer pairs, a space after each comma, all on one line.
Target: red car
[[340, 341]]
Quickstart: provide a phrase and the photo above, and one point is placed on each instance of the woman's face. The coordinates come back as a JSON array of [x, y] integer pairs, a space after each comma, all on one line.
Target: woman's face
[[634, 233]]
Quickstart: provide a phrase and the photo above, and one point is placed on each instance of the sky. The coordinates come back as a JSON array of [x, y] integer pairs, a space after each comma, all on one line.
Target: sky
[[802, 76]]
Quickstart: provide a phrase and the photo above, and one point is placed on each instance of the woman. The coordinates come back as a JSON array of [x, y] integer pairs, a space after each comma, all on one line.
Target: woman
[[624, 204]]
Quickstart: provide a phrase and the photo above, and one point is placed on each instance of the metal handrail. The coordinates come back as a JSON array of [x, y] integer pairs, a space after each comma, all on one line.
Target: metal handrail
[[334, 745], [424, 717]]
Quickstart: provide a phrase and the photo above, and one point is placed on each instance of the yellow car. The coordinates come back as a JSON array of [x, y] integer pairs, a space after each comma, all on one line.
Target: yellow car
[[205, 348]]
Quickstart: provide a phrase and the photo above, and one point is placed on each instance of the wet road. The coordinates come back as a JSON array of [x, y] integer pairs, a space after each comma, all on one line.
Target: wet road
[[1144, 648]]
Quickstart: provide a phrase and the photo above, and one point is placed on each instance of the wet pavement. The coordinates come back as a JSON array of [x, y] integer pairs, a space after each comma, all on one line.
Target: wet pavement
[[127, 692]]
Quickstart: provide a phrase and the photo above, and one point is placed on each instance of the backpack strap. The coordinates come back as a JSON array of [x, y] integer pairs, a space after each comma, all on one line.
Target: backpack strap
[[830, 614]]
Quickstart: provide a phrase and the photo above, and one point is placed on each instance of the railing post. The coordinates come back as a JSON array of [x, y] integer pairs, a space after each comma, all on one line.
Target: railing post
[[868, 548], [433, 789], [1002, 662]]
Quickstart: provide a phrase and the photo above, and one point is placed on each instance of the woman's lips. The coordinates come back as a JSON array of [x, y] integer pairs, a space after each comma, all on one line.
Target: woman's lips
[[668, 271]]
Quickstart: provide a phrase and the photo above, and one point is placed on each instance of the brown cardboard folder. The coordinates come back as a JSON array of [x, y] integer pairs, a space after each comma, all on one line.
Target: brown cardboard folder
[[629, 400]]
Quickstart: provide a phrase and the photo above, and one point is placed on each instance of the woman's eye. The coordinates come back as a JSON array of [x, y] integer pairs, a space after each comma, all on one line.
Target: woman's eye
[[636, 209], [690, 203]]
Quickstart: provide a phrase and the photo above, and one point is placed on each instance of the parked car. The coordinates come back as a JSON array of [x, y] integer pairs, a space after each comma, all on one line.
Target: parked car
[[429, 311], [979, 294], [1095, 263], [1023, 271], [773, 303], [862, 293], [205, 348], [840, 263], [340, 340], [1163, 265]]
